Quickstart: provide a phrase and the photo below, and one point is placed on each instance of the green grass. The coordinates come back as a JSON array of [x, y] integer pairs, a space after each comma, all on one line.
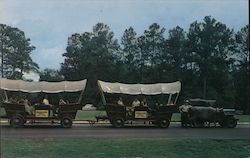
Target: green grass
[[121, 148], [88, 115], [176, 117], [243, 118], [2, 111]]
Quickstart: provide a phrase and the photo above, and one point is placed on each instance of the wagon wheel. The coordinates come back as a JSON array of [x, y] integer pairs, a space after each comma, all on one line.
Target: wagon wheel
[[231, 122], [199, 123], [164, 123], [223, 123], [118, 122], [66, 122], [17, 121]]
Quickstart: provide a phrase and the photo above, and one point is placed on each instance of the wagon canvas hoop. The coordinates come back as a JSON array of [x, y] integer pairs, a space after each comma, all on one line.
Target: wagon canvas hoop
[[46, 87], [136, 89]]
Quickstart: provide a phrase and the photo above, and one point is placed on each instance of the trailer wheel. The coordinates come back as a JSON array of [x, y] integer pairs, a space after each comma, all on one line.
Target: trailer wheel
[[231, 122], [199, 124], [223, 123], [66, 122], [17, 121], [164, 123], [118, 122]]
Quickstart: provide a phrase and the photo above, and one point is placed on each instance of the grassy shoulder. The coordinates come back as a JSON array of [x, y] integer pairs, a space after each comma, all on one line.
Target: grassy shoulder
[[140, 148], [243, 118], [90, 115]]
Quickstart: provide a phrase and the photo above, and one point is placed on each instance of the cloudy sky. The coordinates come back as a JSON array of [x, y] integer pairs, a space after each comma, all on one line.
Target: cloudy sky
[[49, 23]]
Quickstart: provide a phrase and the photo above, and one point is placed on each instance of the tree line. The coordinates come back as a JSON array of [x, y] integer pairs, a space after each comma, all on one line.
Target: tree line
[[210, 59]]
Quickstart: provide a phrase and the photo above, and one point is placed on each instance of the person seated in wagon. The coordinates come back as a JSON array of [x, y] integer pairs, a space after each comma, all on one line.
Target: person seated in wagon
[[28, 108], [144, 102], [120, 102], [12, 99], [46, 102], [136, 103], [62, 101]]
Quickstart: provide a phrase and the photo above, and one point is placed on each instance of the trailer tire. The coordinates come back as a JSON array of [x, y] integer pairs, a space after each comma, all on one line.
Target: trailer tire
[[66, 122], [164, 123], [231, 122], [223, 123], [118, 122], [199, 124], [17, 121]]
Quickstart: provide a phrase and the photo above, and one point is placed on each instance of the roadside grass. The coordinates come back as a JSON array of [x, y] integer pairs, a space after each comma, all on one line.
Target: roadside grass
[[90, 115], [243, 118], [124, 148], [2, 112]]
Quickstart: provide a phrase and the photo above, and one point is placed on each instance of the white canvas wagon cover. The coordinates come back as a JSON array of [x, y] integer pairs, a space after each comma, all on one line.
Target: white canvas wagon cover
[[47, 87], [135, 89]]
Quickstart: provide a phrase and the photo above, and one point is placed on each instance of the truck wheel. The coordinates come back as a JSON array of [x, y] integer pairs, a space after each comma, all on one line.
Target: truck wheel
[[66, 122], [231, 122], [118, 122], [17, 121], [164, 123]]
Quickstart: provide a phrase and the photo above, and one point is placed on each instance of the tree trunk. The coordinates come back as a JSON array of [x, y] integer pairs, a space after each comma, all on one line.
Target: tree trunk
[[2, 65]]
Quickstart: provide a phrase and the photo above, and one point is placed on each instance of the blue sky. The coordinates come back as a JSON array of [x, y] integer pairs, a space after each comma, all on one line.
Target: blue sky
[[49, 23]]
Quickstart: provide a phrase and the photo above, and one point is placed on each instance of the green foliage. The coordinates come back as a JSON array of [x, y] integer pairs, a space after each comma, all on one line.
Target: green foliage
[[211, 43], [203, 59], [92, 55], [50, 75], [152, 52], [241, 70], [131, 55], [15, 51]]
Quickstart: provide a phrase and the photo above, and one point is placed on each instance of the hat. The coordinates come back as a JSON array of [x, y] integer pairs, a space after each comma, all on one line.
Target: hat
[[187, 101]]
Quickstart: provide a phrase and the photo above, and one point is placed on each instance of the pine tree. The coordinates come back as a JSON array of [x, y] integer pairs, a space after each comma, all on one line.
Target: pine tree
[[15, 51]]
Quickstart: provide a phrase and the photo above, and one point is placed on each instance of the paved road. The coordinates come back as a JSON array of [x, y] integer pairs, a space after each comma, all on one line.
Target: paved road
[[242, 131]]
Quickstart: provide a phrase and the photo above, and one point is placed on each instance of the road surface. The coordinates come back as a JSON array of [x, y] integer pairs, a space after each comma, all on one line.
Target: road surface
[[242, 131]]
